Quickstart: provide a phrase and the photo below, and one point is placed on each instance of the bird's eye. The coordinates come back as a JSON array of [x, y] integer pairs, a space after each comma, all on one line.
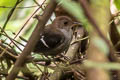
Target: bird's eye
[[65, 23]]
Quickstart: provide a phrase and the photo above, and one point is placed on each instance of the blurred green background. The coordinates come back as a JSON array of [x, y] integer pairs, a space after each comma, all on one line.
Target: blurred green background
[[24, 11]]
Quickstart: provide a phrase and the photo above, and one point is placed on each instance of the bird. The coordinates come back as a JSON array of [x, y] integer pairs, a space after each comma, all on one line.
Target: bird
[[56, 37]]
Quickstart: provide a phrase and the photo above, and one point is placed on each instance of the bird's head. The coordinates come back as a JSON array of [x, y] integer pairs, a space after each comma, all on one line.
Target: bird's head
[[63, 22]]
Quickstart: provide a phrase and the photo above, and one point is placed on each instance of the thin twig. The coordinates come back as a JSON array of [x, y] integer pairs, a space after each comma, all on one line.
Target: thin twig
[[93, 22], [11, 39], [5, 51], [37, 66], [32, 41], [20, 77], [41, 7], [10, 14], [24, 7], [28, 20]]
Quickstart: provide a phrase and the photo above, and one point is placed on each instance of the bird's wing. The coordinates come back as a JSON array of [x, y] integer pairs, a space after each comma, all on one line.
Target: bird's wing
[[49, 40], [53, 39]]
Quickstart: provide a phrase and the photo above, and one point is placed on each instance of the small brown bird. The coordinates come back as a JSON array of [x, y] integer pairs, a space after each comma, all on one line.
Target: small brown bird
[[56, 37]]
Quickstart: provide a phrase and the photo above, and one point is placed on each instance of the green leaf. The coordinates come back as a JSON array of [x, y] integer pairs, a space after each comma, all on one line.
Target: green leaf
[[6, 3], [100, 43], [103, 65], [117, 4]]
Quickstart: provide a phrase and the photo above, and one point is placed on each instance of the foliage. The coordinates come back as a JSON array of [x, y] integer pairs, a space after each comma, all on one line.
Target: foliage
[[117, 4], [6, 3], [20, 17]]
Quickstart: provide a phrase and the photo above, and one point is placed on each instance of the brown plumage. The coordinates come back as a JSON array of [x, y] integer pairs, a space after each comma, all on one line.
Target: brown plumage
[[56, 37]]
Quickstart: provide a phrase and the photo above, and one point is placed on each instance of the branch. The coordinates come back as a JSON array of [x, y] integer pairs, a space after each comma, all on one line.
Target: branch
[[92, 21], [94, 52], [20, 77], [32, 41], [20, 31], [95, 26], [74, 48]]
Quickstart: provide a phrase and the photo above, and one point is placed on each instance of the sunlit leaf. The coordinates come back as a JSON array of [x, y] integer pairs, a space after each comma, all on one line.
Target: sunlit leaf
[[103, 65], [117, 4], [100, 43], [6, 3]]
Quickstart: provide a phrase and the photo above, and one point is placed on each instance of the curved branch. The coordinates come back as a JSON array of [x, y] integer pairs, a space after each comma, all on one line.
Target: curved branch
[[32, 41]]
